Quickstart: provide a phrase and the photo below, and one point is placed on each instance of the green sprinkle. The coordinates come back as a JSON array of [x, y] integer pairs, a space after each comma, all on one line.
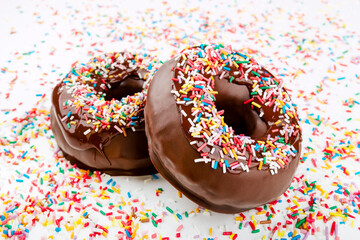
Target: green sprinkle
[[154, 223], [240, 225], [231, 79], [99, 204], [102, 212], [110, 190], [240, 62], [60, 204], [154, 215], [255, 231], [169, 209], [333, 207], [301, 222], [265, 87], [186, 214], [41, 181], [8, 226], [255, 73]]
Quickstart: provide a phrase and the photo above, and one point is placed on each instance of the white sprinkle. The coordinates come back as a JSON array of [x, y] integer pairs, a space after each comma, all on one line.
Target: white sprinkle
[[183, 113]]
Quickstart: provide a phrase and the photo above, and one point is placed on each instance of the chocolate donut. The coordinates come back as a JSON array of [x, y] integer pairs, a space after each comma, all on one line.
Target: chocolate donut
[[97, 115], [222, 129]]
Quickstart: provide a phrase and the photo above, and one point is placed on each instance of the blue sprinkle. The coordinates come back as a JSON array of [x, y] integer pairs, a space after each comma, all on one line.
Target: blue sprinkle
[[198, 120], [205, 103], [226, 68], [129, 195], [215, 164], [57, 229], [127, 233], [154, 176], [24, 154]]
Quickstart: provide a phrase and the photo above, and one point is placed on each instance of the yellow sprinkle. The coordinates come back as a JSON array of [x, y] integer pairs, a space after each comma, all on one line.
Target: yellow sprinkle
[[261, 212], [277, 122], [281, 161], [195, 133], [270, 143], [260, 165], [224, 150], [338, 215], [210, 232], [255, 104], [296, 203], [236, 65], [235, 155], [186, 69]]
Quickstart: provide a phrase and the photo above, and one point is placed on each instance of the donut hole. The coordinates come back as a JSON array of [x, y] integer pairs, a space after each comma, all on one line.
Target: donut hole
[[239, 116], [129, 86]]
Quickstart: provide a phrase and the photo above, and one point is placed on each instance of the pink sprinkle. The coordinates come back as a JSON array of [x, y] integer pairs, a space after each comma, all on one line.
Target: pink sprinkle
[[179, 228]]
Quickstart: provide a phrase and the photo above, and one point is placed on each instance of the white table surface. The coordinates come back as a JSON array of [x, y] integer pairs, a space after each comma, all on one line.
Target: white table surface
[[313, 45]]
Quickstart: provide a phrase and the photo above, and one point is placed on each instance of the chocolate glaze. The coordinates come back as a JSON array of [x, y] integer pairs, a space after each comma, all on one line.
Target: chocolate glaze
[[106, 150], [173, 156]]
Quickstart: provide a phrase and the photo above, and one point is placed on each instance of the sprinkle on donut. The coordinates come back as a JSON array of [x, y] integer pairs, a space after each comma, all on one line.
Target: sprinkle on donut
[[88, 110], [194, 79]]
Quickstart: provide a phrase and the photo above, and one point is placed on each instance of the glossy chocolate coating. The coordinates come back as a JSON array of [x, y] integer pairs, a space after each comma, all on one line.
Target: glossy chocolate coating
[[107, 150], [173, 156]]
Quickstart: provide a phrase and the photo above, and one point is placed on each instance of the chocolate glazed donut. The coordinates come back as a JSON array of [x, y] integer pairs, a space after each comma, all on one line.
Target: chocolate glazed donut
[[260, 153], [97, 115]]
